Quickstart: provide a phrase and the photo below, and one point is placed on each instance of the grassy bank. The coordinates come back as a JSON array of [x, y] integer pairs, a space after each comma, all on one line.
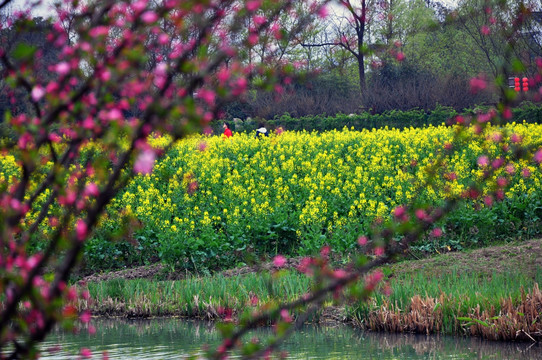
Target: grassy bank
[[193, 297], [501, 302]]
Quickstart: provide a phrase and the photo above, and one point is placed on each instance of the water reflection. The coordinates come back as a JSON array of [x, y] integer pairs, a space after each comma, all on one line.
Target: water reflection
[[175, 338]]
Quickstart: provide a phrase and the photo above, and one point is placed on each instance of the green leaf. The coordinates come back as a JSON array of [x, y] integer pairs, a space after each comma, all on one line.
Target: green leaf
[[282, 327], [226, 329], [24, 52], [518, 66], [250, 348], [472, 321]]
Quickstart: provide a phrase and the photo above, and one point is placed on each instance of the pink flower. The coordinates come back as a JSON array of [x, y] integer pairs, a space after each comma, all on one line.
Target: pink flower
[[501, 182], [515, 138], [379, 251], [304, 266], [86, 353], [91, 330], [92, 189], [323, 12], [362, 240], [37, 93], [436, 232], [145, 162], [139, 6], [340, 274], [208, 96], [477, 84], [400, 213], [85, 317], [279, 261], [421, 214], [324, 252], [496, 137], [285, 316], [223, 75], [15, 204], [400, 56], [88, 123], [99, 31], [253, 39], [485, 30], [497, 163], [114, 114], [81, 229], [202, 146], [149, 17], [62, 68], [538, 156], [483, 161], [72, 294], [253, 5], [510, 169], [488, 200], [55, 138], [258, 20], [25, 141]]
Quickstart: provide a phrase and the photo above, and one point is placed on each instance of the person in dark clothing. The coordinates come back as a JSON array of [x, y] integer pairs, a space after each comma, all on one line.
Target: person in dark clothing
[[261, 130]]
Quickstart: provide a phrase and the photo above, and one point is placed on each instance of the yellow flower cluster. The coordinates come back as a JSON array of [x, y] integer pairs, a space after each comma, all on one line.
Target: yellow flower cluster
[[315, 183], [210, 191]]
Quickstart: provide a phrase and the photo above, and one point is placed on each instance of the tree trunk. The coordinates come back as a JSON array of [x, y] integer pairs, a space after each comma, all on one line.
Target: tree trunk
[[361, 71]]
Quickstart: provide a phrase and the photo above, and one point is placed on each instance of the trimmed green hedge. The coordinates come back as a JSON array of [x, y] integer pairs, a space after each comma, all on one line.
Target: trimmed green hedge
[[531, 113]]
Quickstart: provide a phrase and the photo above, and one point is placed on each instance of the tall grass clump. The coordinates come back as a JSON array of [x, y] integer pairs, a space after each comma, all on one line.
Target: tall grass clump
[[193, 297], [450, 303]]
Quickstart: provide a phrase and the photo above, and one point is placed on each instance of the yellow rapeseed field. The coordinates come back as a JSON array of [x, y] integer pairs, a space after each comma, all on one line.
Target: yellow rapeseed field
[[296, 191]]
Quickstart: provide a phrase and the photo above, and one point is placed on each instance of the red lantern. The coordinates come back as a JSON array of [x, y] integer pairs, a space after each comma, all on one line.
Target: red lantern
[[525, 84], [516, 84]]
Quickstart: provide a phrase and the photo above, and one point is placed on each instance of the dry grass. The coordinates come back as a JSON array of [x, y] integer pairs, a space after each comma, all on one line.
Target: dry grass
[[521, 321]]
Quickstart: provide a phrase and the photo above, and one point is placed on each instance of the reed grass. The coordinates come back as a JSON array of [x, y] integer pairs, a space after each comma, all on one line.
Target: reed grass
[[501, 306], [194, 297]]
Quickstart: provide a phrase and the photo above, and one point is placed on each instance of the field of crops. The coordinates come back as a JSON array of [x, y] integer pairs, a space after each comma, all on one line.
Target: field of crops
[[213, 202]]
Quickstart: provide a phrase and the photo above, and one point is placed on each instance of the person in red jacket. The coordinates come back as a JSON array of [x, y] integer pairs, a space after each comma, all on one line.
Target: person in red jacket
[[227, 131]]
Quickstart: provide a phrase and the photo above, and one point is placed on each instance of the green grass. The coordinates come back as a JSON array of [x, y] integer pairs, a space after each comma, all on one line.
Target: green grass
[[198, 297]]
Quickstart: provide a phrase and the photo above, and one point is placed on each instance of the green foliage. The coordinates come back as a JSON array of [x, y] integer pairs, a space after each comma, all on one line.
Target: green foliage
[[467, 227], [528, 112]]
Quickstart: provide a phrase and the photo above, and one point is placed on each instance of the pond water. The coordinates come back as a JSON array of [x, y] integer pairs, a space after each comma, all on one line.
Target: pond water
[[176, 338]]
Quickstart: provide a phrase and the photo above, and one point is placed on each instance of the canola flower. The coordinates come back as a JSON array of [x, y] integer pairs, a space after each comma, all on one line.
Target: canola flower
[[295, 192]]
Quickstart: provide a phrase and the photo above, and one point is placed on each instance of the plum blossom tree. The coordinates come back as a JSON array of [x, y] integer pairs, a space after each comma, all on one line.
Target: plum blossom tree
[[104, 94]]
